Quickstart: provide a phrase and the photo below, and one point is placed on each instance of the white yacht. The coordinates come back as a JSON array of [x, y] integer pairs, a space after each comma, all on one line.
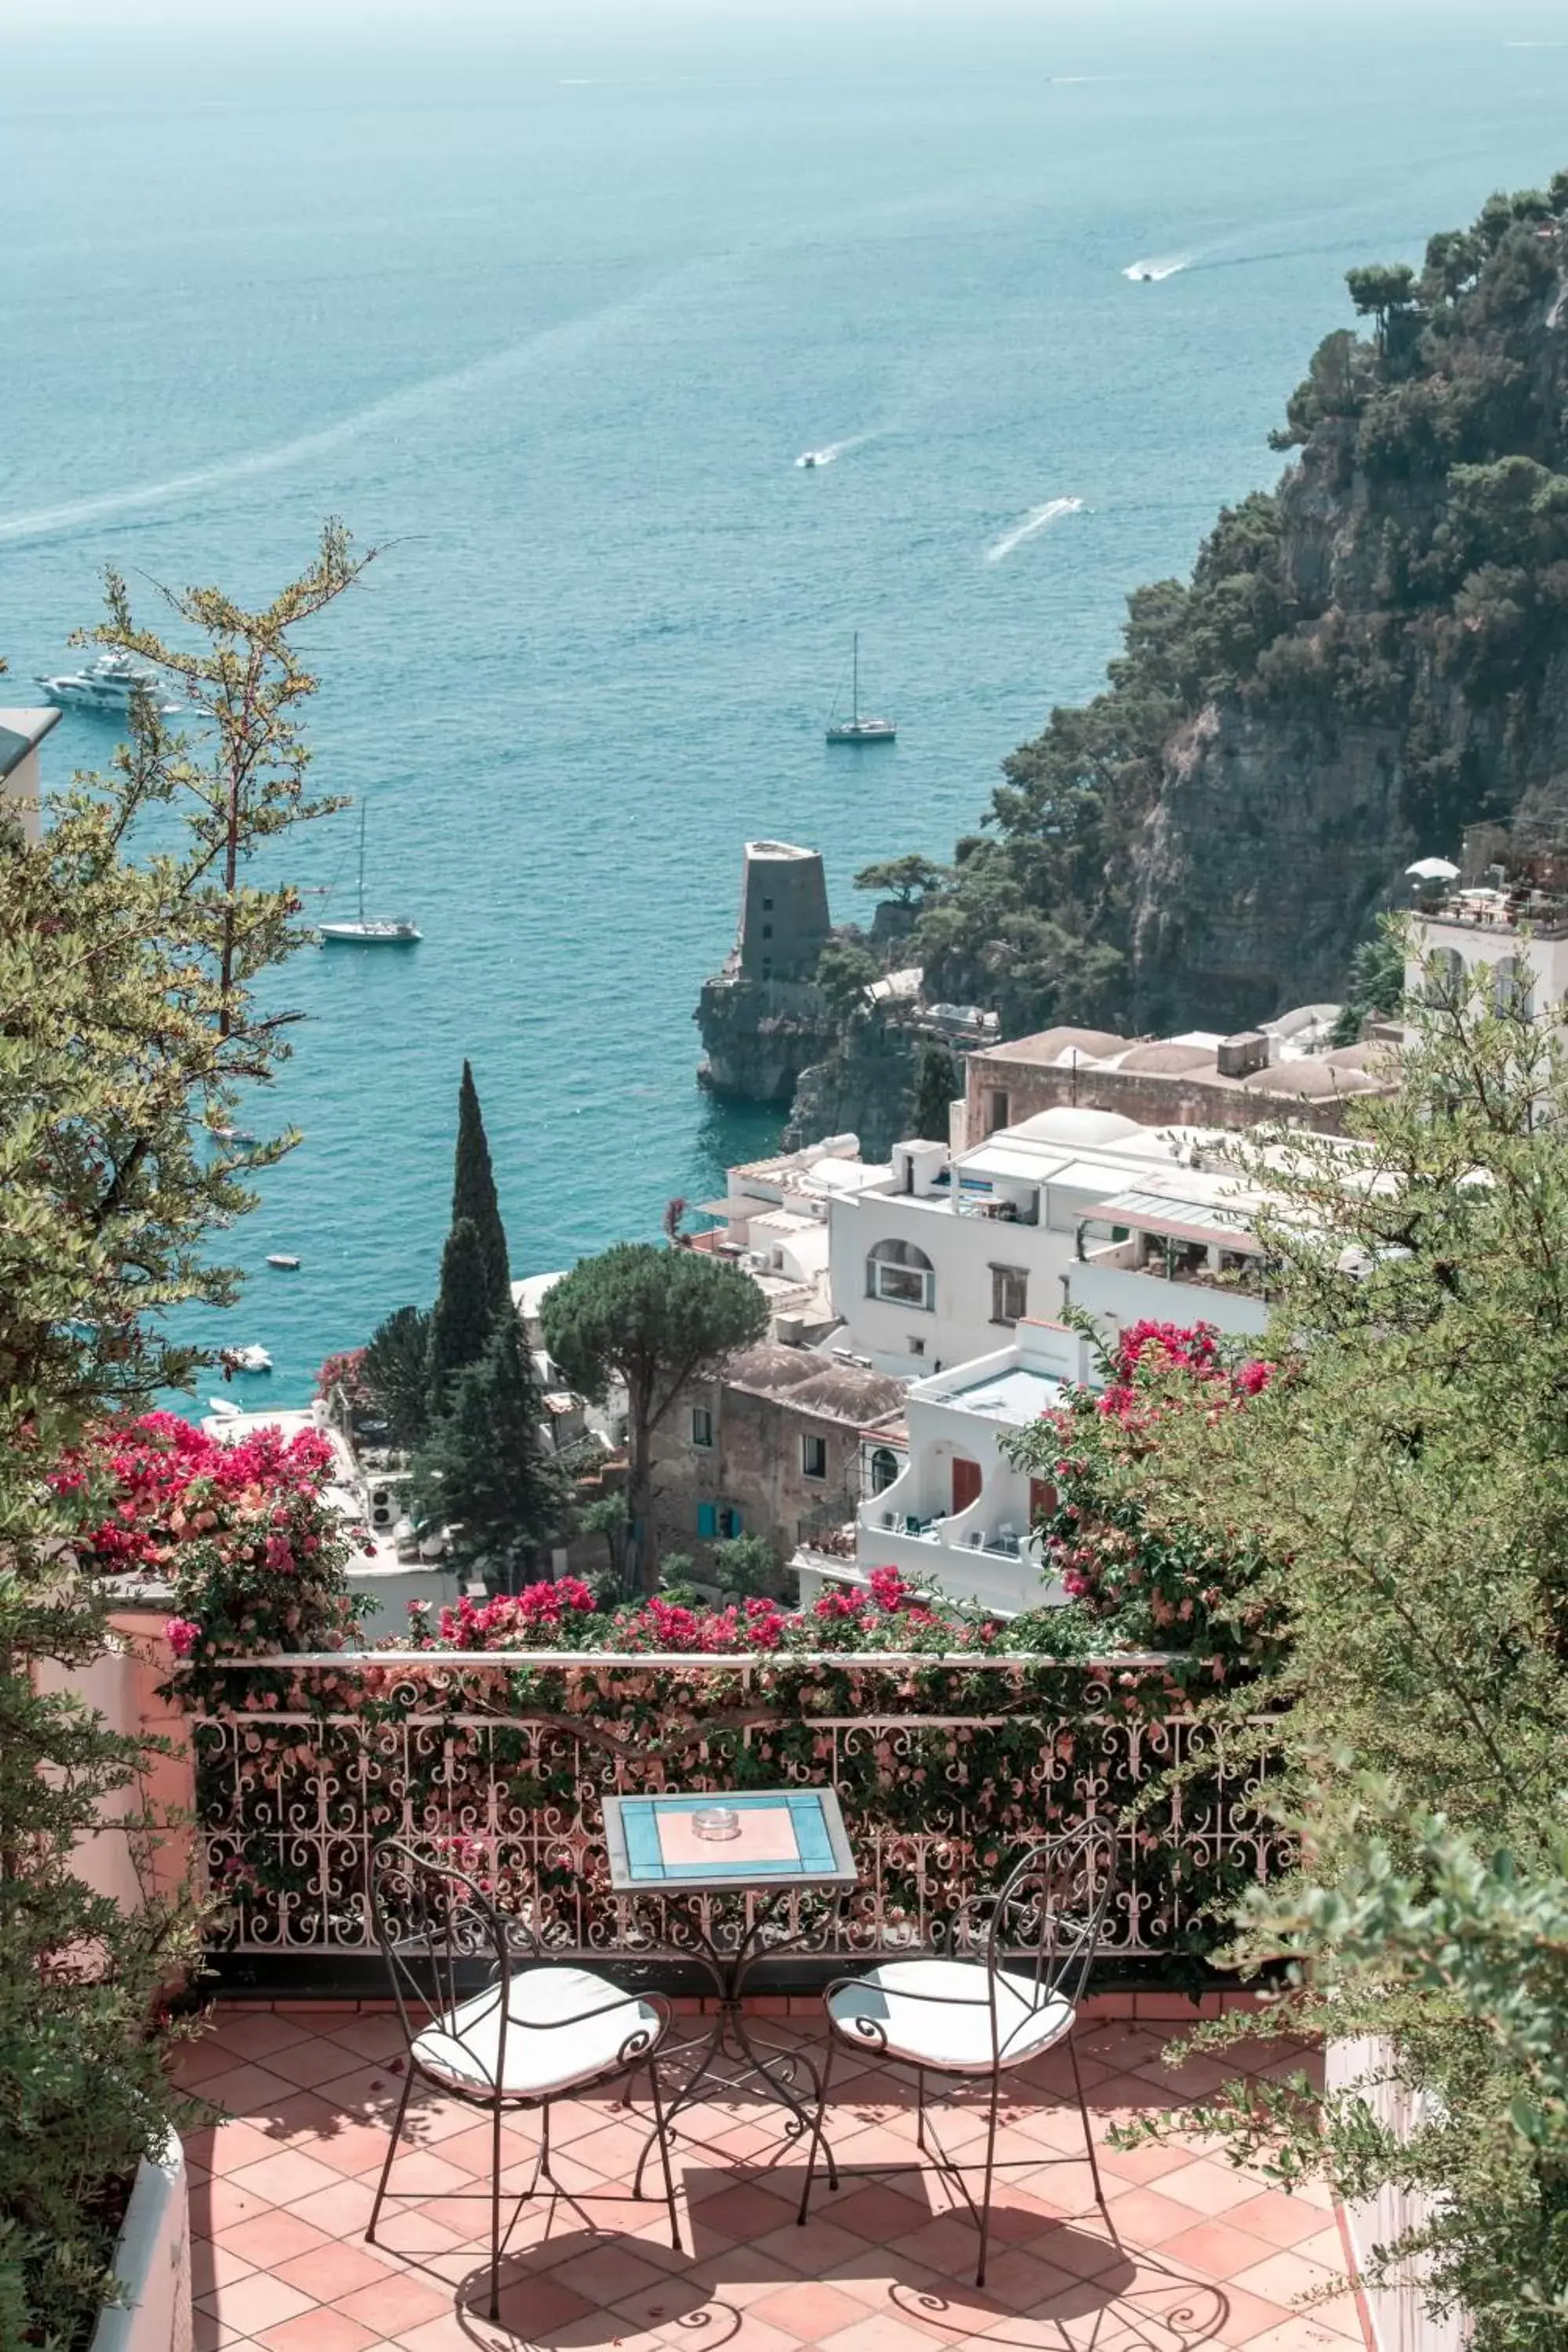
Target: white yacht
[[107, 685]]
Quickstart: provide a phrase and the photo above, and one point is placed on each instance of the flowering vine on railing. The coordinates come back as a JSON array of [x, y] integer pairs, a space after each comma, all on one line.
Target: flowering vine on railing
[[946, 1766], [888, 1612]]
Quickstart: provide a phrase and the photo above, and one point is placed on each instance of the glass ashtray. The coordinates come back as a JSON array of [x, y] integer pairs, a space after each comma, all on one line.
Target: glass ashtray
[[717, 1823]]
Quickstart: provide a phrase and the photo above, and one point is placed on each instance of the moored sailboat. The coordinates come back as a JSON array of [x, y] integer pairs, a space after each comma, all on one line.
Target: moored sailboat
[[370, 931], [856, 729]]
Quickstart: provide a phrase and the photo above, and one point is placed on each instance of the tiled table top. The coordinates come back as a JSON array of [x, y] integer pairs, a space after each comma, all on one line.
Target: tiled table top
[[783, 1837], [1199, 2256]]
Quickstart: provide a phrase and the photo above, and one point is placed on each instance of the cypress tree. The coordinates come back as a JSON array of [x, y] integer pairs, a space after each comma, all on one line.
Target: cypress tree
[[464, 1311], [488, 1468], [474, 1191], [937, 1083]]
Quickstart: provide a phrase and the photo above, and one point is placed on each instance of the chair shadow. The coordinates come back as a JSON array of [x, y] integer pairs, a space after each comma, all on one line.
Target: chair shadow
[[676, 2303], [1124, 2307]]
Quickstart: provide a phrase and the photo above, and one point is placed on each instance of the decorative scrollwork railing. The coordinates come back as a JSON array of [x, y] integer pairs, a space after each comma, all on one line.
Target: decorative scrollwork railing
[[305, 1767]]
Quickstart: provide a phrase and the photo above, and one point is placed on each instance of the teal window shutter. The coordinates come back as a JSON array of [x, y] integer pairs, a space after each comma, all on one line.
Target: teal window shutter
[[705, 1520]]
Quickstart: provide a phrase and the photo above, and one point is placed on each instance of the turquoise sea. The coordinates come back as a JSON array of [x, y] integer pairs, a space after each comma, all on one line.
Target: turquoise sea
[[549, 318]]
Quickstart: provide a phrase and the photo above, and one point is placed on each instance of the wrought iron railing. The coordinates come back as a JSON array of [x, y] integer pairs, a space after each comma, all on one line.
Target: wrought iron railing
[[505, 1759]]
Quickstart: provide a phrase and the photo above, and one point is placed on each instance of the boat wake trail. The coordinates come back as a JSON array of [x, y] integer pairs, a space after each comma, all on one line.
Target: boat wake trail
[[833, 449], [395, 408], [1038, 519], [1158, 266]]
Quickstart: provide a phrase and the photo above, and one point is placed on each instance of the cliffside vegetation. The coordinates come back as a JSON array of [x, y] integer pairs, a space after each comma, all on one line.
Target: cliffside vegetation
[[1364, 659]]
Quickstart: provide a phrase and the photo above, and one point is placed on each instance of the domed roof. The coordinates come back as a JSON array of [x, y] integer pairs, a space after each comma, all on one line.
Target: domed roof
[[1074, 1124], [1063, 1047], [1307, 1076], [1374, 1054], [1166, 1055]]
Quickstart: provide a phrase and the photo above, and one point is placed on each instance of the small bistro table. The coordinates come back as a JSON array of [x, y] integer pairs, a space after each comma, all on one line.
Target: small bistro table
[[789, 1841]]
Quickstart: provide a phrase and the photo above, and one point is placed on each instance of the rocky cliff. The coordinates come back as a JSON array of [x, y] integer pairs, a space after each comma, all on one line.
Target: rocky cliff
[[1363, 661], [759, 1036], [864, 1086]]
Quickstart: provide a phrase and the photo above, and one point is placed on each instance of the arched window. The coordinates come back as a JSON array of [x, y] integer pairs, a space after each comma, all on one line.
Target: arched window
[[885, 1468], [1444, 983], [901, 1274], [1510, 987]]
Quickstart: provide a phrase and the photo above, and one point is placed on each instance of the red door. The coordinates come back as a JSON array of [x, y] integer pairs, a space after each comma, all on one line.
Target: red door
[[966, 1483]]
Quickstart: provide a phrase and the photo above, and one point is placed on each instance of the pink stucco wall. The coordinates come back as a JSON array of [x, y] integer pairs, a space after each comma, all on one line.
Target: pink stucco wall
[[146, 1844]]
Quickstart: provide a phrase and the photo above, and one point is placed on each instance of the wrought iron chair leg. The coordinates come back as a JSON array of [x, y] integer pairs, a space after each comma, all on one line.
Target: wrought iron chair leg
[[390, 2152], [663, 2138], [817, 2139], [495, 2209], [920, 2109], [990, 2167], [544, 2171], [1088, 2134]]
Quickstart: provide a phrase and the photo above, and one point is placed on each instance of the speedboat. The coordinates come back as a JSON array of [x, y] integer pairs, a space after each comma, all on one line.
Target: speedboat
[[252, 1359], [283, 1261], [107, 686]]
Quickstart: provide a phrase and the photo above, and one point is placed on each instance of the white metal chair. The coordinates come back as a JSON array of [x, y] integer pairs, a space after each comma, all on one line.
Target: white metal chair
[[978, 2017], [524, 2038]]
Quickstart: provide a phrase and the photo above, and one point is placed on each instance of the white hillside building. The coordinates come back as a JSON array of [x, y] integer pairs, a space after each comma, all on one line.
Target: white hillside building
[[1508, 929], [941, 1501], [937, 1262]]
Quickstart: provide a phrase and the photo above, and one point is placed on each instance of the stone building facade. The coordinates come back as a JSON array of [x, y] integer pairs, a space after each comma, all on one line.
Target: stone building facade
[[1170, 1081], [771, 1450]]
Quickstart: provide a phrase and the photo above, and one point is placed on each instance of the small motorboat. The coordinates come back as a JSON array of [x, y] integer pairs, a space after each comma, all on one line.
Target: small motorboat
[[252, 1359], [224, 1408], [283, 1262]]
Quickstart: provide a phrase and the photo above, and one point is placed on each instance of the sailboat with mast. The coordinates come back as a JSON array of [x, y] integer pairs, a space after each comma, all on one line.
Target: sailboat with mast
[[856, 729], [370, 931]]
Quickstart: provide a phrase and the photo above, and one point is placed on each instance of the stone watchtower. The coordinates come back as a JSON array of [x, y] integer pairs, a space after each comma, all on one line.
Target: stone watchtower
[[784, 912], [762, 1018]]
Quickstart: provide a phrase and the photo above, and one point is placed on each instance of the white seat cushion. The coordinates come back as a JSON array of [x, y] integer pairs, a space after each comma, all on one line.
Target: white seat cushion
[[542, 2054], [948, 2026]]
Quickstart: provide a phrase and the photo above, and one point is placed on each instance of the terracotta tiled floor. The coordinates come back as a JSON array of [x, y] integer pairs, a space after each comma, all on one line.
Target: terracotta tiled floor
[[1196, 2254]]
